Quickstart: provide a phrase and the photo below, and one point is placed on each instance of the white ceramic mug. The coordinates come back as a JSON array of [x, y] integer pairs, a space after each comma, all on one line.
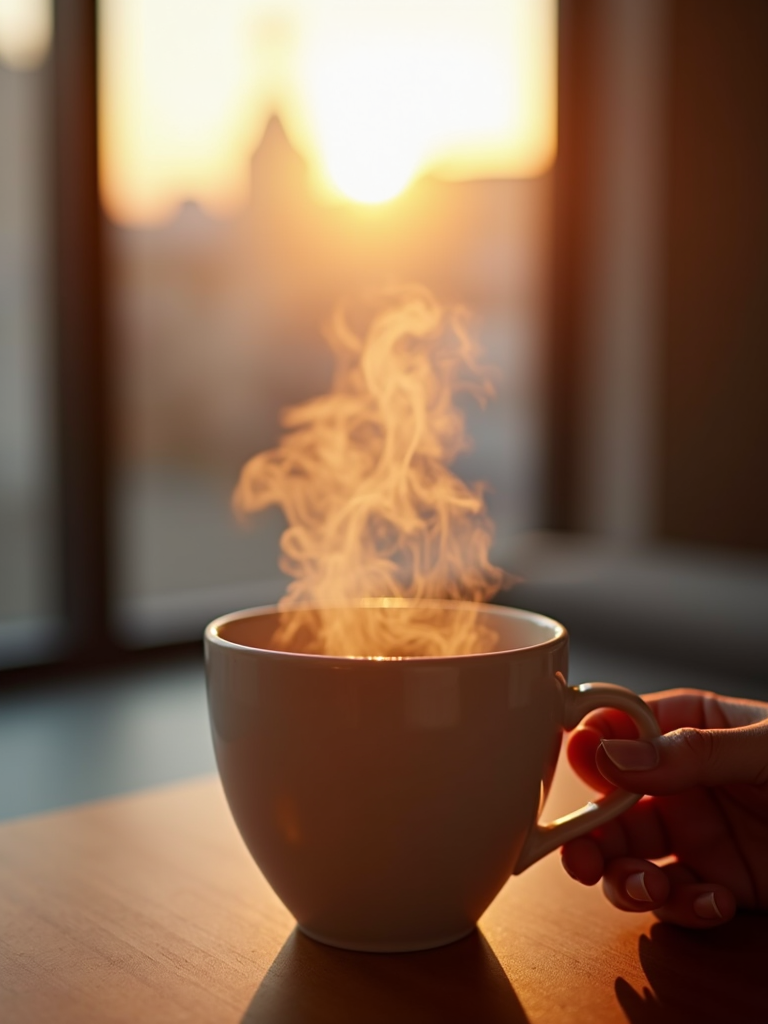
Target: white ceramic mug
[[388, 801]]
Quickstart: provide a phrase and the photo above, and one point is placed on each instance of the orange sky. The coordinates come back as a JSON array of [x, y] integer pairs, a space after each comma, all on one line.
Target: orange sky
[[372, 92]]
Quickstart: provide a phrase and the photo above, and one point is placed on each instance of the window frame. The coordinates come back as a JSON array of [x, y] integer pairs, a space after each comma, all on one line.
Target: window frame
[[80, 353]]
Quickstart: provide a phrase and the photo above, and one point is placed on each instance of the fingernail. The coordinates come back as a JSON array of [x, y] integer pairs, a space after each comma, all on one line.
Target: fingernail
[[635, 886], [705, 906], [631, 755]]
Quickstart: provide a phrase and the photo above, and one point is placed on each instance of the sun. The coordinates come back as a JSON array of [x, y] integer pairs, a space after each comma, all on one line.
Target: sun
[[370, 173], [369, 128]]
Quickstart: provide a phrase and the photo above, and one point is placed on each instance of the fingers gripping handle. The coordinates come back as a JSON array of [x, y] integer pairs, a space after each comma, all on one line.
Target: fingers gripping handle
[[579, 701]]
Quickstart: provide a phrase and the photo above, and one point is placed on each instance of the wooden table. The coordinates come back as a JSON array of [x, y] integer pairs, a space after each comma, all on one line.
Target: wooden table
[[148, 909]]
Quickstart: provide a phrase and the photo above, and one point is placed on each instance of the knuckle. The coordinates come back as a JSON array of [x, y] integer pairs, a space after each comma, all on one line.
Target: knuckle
[[696, 744]]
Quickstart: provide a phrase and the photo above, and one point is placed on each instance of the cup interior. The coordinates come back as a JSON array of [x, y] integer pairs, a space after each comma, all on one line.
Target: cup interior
[[508, 629]]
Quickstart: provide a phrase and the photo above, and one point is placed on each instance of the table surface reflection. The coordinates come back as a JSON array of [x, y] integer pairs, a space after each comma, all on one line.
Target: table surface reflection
[[148, 908]]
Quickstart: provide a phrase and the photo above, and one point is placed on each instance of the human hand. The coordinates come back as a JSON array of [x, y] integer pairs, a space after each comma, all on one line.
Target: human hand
[[708, 808]]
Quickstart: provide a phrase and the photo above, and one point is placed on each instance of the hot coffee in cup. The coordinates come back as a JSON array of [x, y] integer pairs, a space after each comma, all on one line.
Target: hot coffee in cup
[[387, 799]]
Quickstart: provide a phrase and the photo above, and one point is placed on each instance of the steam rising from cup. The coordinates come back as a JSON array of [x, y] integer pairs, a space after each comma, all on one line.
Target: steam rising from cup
[[373, 510]]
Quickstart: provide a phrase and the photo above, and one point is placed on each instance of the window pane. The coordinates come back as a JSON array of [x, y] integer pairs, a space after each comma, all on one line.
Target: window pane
[[27, 554], [256, 168]]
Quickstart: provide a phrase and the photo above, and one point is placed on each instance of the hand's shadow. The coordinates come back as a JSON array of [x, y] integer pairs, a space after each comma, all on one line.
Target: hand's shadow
[[704, 976], [310, 983]]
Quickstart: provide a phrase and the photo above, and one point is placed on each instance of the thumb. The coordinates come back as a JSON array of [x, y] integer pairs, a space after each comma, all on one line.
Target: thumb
[[687, 757]]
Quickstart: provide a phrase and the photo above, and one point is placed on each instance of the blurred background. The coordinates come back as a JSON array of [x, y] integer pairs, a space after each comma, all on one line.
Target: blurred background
[[258, 163], [188, 189]]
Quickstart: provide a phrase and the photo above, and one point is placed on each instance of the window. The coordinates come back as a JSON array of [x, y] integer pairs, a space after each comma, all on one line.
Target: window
[[260, 162], [161, 296], [192, 258]]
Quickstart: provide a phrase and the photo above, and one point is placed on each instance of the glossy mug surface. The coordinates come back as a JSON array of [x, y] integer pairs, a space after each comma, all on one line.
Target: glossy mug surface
[[388, 801]]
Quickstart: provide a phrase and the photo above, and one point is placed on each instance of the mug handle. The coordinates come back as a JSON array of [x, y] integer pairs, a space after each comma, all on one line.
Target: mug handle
[[579, 701]]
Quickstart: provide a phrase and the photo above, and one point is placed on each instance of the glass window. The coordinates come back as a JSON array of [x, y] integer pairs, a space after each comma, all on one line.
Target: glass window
[[262, 161]]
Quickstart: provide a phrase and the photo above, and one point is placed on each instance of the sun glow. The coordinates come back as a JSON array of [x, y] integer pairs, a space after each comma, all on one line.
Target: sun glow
[[370, 153], [373, 94], [369, 173]]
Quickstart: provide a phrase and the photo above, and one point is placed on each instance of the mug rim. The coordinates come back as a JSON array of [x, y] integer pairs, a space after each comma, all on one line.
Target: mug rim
[[560, 633]]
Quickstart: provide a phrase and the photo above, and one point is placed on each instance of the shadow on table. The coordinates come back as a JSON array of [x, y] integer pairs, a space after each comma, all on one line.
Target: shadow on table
[[707, 976], [310, 983]]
